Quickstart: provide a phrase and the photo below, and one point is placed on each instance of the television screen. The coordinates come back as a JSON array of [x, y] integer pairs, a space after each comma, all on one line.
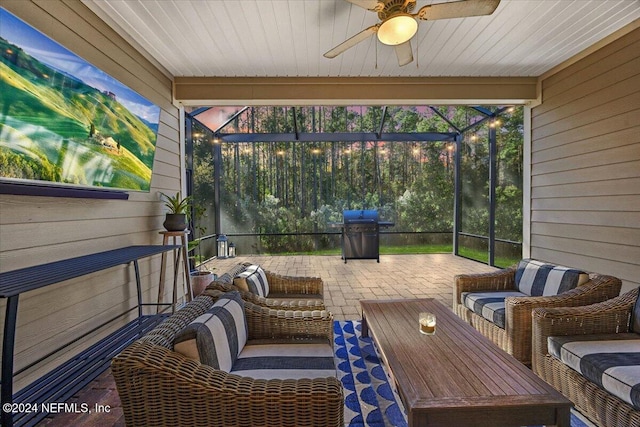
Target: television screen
[[65, 122]]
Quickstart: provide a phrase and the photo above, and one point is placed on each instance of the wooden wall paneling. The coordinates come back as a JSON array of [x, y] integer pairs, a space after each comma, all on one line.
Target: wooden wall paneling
[[21, 258], [623, 82], [621, 253], [20, 210], [622, 203], [25, 378], [613, 108], [584, 69], [21, 236], [626, 186], [613, 139], [594, 173], [626, 120], [608, 234], [589, 218], [36, 230], [606, 156]]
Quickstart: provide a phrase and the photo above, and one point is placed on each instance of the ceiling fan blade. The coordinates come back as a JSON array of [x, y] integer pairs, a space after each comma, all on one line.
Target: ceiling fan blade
[[404, 53], [458, 9], [372, 5], [349, 43]]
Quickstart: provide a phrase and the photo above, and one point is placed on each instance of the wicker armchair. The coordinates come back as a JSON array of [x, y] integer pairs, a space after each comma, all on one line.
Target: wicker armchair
[[608, 317], [285, 292], [515, 338], [160, 387]]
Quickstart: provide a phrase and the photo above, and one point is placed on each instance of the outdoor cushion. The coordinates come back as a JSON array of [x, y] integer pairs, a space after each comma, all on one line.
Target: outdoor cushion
[[285, 361], [253, 280], [535, 278], [611, 361], [489, 305], [218, 336]]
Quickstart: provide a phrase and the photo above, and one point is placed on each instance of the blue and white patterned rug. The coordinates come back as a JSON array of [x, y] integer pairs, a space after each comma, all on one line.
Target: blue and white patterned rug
[[369, 400]]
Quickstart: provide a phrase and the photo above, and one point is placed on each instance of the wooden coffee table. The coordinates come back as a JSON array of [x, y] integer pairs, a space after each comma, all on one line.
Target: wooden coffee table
[[456, 377]]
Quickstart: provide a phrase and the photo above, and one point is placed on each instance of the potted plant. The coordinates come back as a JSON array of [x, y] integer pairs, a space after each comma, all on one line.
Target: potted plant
[[200, 278], [176, 218]]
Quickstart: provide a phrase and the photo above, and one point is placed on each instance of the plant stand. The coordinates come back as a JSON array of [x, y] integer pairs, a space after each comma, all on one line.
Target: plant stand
[[176, 266]]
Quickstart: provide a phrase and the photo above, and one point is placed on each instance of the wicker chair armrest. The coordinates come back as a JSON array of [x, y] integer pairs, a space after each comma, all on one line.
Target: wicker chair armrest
[[500, 280], [606, 317], [610, 316], [294, 284], [159, 387], [518, 309], [267, 323], [598, 288], [265, 302]]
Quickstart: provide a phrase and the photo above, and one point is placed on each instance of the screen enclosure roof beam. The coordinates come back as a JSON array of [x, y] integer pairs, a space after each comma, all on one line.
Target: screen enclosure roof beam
[[337, 137]]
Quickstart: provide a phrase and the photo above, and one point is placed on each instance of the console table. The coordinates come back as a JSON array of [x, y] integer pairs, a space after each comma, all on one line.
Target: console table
[[15, 282]]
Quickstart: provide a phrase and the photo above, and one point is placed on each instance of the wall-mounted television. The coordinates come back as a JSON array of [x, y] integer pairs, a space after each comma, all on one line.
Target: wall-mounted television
[[65, 123]]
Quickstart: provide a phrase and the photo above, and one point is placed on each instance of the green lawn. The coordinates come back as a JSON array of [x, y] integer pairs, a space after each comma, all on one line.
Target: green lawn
[[475, 254], [384, 250]]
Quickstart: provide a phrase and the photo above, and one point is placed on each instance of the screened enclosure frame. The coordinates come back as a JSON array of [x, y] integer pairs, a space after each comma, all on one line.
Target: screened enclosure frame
[[220, 135]]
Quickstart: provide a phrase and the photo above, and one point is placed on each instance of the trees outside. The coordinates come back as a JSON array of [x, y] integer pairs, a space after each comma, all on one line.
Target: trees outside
[[287, 191]]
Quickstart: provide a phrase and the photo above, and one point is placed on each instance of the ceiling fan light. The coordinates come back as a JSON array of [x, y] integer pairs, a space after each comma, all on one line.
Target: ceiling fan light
[[397, 29]]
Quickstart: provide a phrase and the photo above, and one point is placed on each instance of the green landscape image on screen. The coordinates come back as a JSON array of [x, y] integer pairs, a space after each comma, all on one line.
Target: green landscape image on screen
[[64, 121]]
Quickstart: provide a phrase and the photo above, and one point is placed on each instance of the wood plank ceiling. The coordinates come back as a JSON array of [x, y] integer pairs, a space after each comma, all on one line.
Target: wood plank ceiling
[[287, 38]]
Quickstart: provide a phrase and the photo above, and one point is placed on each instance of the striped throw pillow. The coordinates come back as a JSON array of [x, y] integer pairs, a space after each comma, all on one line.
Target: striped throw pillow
[[218, 336], [253, 280], [535, 278]]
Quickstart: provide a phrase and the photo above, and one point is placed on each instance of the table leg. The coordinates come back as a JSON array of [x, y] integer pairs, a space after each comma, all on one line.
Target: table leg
[[163, 268], [8, 342], [563, 416], [136, 269], [364, 332], [176, 270]]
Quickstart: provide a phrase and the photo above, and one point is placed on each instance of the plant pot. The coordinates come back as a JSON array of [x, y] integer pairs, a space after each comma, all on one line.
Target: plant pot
[[175, 222], [200, 280]]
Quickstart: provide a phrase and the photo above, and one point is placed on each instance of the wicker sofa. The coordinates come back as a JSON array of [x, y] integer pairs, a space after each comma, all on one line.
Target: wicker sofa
[[285, 292], [161, 387], [515, 336], [585, 325]]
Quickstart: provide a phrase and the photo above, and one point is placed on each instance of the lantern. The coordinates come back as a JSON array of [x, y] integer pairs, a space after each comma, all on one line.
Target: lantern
[[232, 250], [223, 248]]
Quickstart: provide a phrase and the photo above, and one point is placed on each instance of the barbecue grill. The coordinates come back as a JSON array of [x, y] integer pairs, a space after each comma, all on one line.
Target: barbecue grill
[[361, 234]]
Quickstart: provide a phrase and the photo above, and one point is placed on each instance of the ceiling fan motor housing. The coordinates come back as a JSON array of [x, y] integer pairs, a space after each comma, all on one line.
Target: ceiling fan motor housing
[[393, 7]]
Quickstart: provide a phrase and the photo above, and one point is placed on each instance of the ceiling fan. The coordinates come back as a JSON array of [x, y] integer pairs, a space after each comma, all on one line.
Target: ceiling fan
[[398, 24]]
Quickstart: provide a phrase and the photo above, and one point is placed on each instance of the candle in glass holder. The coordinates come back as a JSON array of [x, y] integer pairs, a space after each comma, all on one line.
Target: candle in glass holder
[[427, 323]]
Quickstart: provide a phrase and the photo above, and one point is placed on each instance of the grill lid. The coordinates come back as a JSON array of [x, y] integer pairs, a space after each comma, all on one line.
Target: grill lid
[[364, 215]]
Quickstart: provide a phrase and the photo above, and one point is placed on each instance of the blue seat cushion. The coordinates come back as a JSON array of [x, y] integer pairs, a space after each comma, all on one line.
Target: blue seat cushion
[[536, 278], [283, 361], [489, 305], [611, 361]]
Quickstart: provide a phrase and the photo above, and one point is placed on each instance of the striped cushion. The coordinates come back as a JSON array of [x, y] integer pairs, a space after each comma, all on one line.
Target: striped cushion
[[536, 278], [489, 305], [285, 361], [253, 280], [610, 361], [218, 336]]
